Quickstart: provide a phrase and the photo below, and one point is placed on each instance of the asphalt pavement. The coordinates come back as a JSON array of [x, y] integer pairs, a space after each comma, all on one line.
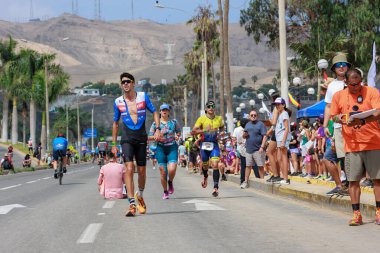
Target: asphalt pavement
[[38, 215], [17, 156]]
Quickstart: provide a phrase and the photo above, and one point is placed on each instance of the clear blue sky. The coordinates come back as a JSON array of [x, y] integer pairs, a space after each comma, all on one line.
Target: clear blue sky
[[19, 10]]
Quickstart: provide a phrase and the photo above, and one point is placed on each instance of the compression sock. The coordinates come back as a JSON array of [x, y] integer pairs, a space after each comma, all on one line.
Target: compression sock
[[132, 201], [140, 193], [205, 173], [215, 176], [356, 207], [377, 204]]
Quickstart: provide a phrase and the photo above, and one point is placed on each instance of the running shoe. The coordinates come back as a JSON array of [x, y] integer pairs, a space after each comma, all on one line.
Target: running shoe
[[64, 170], [277, 180], [224, 178], [171, 188], [285, 182], [215, 193], [204, 182], [55, 174], [132, 211], [140, 204], [166, 195], [333, 191], [244, 185], [377, 220], [356, 220], [367, 183], [270, 179], [344, 191]]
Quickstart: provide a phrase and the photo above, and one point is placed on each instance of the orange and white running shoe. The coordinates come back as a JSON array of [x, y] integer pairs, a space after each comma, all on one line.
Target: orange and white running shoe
[[356, 220], [377, 220], [132, 211], [140, 204]]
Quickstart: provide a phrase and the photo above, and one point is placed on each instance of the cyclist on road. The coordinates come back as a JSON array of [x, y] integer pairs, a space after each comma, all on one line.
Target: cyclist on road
[[131, 109], [208, 127], [167, 149], [59, 146], [102, 148]]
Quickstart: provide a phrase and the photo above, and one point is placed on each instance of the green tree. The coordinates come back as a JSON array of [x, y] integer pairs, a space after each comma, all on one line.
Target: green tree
[[7, 54], [318, 28], [243, 82], [254, 79]]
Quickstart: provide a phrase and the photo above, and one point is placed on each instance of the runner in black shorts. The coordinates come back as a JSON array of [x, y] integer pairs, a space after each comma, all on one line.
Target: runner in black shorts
[[131, 109]]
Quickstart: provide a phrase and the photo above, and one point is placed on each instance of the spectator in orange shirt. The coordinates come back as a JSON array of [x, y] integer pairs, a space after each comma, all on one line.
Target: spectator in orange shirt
[[361, 138]]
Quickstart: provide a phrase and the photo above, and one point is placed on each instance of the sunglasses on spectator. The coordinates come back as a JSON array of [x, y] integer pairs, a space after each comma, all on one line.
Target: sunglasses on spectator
[[340, 65], [354, 84], [253, 115], [211, 106], [126, 81]]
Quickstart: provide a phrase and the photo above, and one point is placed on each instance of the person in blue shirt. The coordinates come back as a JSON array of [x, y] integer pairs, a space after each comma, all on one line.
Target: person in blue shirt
[[59, 148], [167, 149]]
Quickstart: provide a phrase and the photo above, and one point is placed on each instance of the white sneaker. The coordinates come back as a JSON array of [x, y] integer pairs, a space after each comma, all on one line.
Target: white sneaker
[[244, 185], [343, 176], [285, 182]]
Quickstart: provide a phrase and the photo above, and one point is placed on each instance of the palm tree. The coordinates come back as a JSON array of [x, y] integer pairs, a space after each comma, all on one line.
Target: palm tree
[[7, 54]]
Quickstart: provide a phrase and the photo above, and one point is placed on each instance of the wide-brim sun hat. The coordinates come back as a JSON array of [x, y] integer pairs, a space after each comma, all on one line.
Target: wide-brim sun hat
[[339, 57]]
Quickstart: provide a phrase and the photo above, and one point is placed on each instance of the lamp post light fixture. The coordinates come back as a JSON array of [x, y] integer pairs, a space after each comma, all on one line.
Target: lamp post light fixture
[[297, 81], [271, 91], [260, 96], [322, 66], [311, 91], [238, 110], [252, 102]]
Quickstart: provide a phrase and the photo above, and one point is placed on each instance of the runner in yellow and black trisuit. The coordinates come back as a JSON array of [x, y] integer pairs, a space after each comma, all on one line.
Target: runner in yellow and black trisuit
[[208, 127]]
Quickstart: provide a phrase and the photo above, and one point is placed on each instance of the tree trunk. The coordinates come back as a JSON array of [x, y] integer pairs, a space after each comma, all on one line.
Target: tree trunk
[[221, 81], [14, 134], [4, 130], [213, 81], [24, 114], [43, 134], [227, 67], [32, 123]]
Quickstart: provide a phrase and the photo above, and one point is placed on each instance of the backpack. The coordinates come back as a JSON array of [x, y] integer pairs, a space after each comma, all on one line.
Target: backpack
[[6, 164]]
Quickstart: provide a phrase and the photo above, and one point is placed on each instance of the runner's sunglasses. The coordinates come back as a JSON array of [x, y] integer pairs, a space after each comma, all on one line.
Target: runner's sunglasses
[[211, 106], [340, 65], [126, 81]]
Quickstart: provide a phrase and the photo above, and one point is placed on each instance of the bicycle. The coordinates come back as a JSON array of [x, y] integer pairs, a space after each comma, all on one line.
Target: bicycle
[[101, 160], [60, 166]]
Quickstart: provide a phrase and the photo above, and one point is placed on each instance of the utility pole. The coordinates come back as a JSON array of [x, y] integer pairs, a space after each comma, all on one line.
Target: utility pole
[[203, 89], [67, 122], [47, 106], [185, 104], [92, 128], [79, 137], [283, 63]]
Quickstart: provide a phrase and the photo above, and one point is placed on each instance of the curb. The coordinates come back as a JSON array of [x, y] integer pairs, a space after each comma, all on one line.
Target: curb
[[337, 203]]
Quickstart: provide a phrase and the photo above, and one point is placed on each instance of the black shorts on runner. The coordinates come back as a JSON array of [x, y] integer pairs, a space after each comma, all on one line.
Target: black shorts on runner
[[273, 137], [193, 158], [136, 151]]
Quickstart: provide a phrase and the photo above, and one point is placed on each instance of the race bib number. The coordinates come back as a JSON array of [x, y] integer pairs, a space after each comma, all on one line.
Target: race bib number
[[207, 146]]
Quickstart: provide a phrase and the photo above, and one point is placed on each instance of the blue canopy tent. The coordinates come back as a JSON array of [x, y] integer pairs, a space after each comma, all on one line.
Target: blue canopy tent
[[312, 111]]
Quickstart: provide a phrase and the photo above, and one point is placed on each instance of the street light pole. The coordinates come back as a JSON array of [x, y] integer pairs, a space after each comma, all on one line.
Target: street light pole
[[92, 128], [79, 137], [185, 101], [283, 63], [67, 122], [206, 71], [47, 107], [202, 89]]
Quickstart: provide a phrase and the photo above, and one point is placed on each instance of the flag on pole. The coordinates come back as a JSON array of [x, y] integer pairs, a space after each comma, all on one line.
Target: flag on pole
[[293, 101], [372, 70]]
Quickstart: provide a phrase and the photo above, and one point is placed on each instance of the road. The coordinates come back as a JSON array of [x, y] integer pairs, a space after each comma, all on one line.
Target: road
[[41, 216], [17, 158]]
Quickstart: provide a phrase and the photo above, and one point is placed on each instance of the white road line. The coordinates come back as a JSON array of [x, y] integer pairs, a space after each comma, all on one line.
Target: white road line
[[89, 234], [109, 204], [46, 177], [9, 187], [101, 214], [30, 182]]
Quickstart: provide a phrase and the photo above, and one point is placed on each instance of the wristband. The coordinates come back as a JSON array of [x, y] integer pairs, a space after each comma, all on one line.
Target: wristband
[[113, 144]]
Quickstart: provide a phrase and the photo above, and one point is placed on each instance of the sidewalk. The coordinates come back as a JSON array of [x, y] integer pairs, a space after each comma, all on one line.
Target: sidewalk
[[313, 193]]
